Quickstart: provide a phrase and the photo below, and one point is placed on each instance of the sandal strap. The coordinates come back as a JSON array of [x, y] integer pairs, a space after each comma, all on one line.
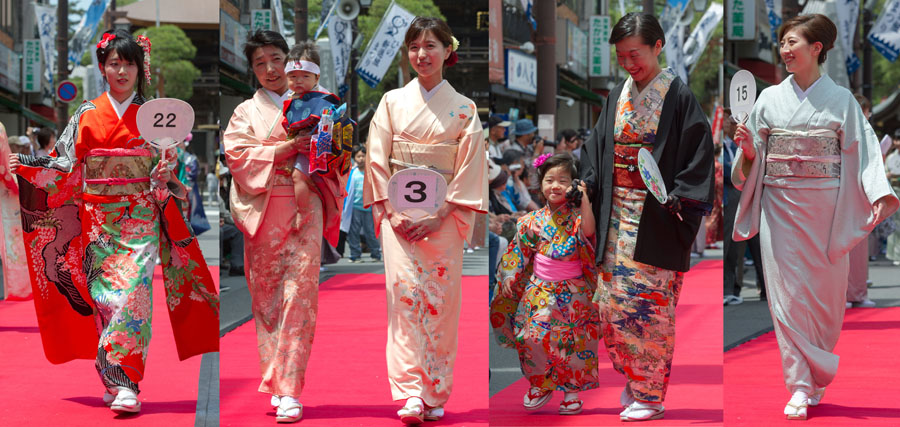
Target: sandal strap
[[541, 393], [798, 407], [571, 402]]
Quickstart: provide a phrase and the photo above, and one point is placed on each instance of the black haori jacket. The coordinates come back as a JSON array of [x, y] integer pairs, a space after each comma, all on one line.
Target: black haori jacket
[[683, 150]]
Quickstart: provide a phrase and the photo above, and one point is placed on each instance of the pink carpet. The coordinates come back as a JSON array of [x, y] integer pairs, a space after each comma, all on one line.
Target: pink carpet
[[34, 392], [864, 392], [694, 396], [346, 380]]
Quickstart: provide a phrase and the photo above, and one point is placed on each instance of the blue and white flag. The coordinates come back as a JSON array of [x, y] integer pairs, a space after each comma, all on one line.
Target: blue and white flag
[[279, 16], [885, 34], [773, 10], [384, 44], [528, 5], [848, 14], [340, 36], [696, 43], [674, 49], [85, 31], [45, 17]]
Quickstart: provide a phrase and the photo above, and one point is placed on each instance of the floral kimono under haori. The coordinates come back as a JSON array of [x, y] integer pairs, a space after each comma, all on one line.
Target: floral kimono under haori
[[94, 224], [544, 309], [443, 133]]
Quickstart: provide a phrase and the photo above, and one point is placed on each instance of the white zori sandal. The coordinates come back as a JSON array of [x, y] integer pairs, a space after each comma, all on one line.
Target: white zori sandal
[[797, 406], [816, 397], [433, 413], [413, 413], [640, 411], [289, 410], [126, 401], [275, 401]]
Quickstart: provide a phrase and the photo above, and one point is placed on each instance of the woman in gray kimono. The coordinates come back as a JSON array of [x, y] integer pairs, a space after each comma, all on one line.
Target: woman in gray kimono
[[813, 187]]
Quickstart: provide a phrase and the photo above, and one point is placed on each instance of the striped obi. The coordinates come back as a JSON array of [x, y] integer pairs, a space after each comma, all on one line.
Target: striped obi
[[440, 158], [815, 154], [117, 171], [554, 270]]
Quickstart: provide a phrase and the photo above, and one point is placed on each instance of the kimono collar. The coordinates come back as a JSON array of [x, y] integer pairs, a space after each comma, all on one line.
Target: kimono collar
[[276, 98], [120, 107], [638, 96], [802, 94], [428, 94]]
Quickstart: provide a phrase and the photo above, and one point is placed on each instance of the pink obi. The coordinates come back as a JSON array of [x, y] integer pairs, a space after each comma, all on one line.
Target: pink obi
[[553, 270]]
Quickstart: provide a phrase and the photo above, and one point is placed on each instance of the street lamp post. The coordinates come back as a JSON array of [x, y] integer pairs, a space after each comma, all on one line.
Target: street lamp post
[[62, 63]]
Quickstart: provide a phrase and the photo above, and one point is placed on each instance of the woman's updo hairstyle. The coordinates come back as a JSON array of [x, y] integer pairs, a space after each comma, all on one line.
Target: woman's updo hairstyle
[[128, 50], [638, 24], [814, 28], [436, 26]]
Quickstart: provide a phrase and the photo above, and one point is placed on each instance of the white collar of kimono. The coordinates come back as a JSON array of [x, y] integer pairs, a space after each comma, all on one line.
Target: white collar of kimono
[[802, 94], [120, 107], [302, 66], [427, 94], [637, 95], [278, 99]]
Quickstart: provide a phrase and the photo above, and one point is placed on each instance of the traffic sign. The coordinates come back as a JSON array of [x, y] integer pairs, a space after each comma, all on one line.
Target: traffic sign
[[66, 91]]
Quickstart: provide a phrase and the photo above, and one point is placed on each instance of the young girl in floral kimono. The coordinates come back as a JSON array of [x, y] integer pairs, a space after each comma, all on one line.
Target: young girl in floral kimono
[[96, 214], [546, 280]]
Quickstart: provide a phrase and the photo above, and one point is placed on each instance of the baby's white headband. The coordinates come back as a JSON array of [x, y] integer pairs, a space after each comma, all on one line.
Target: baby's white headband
[[302, 66]]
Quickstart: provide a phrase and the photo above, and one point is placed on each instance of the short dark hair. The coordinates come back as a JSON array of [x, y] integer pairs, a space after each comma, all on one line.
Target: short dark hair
[[864, 103], [567, 134], [305, 51], [564, 159], [357, 149], [43, 136], [262, 38], [641, 24], [128, 50], [814, 28]]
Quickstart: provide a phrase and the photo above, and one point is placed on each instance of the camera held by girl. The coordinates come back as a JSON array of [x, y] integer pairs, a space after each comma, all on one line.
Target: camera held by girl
[[546, 279]]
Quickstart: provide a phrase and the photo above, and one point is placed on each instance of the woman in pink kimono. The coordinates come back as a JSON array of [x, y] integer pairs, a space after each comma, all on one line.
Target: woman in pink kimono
[[813, 187], [282, 264], [425, 124], [16, 282]]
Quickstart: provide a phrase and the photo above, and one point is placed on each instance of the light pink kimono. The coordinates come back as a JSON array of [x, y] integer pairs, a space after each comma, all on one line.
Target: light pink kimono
[[423, 279], [282, 263], [16, 281]]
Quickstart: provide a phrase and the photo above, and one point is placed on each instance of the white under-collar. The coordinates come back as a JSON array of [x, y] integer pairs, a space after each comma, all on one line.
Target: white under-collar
[[120, 107], [638, 95], [278, 99], [802, 94], [427, 94]]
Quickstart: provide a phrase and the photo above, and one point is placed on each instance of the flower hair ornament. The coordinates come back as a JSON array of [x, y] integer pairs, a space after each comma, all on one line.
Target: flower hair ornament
[[104, 42], [144, 42], [453, 58], [540, 160]]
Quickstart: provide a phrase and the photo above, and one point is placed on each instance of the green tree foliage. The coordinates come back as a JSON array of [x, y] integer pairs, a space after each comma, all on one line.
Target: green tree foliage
[[171, 56], [369, 97]]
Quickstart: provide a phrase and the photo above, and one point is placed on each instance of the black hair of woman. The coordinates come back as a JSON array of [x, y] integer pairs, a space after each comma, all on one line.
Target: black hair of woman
[[357, 149], [638, 24], [262, 38], [128, 50], [564, 159]]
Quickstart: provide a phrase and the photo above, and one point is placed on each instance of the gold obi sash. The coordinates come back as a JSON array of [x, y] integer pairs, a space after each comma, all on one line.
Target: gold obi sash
[[117, 171], [283, 171], [815, 154], [440, 158]]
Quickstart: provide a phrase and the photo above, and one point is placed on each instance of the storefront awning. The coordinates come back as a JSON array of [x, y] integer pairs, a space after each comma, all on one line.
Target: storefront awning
[[27, 112]]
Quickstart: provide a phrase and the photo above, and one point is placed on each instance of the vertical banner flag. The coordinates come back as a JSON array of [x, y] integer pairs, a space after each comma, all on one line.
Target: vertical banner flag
[[848, 14], [495, 42], [674, 49], [46, 21], [94, 84], [528, 6], [698, 39], [773, 10], [86, 29], [340, 35], [741, 21], [279, 15], [31, 62], [384, 44], [599, 46], [885, 34]]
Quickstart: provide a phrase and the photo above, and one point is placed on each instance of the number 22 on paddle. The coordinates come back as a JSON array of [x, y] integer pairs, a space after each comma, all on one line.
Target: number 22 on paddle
[[165, 122], [417, 191]]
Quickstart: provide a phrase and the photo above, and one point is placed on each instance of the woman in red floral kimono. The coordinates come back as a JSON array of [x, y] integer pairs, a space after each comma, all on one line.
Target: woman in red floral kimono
[[96, 214]]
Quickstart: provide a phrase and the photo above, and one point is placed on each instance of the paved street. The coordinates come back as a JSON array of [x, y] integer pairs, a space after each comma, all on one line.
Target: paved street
[[751, 319]]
